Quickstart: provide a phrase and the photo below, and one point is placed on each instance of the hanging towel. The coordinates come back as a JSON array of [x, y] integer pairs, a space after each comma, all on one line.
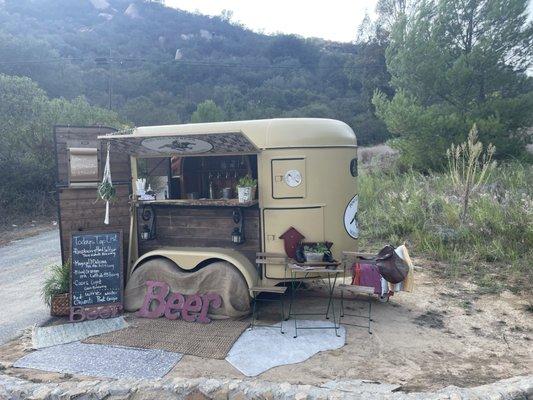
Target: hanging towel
[[409, 281], [384, 287]]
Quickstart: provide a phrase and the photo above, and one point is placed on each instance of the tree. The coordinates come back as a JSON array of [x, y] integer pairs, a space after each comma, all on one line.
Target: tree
[[27, 118], [207, 111], [389, 11], [367, 72], [459, 62], [143, 110]]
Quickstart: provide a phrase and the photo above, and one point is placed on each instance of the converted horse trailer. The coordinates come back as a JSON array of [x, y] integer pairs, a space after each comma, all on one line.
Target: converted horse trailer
[[306, 172]]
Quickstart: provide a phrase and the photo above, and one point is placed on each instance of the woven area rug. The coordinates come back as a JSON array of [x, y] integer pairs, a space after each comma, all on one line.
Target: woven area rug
[[213, 340], [101, 361]]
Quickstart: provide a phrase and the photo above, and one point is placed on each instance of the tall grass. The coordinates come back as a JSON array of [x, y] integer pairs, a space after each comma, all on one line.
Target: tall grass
[[493, 243]]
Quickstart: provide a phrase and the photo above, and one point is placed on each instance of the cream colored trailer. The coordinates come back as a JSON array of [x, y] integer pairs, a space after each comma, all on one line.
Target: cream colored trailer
[[307, 179]]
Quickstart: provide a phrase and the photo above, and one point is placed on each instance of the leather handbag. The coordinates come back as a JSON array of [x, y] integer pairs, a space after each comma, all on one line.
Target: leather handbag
[[391, 266]]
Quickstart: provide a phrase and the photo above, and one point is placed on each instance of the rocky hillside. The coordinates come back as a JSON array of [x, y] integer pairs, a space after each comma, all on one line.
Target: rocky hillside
[[155, 64]]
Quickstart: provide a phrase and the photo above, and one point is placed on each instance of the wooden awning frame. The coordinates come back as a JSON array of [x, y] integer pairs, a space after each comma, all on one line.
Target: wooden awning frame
[[209, 144]]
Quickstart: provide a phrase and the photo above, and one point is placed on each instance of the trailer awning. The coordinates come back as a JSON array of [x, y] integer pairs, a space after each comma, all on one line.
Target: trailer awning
[[182, 145]]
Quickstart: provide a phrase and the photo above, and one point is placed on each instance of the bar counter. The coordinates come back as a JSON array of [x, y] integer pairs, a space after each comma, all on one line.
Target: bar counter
[[198, 203]]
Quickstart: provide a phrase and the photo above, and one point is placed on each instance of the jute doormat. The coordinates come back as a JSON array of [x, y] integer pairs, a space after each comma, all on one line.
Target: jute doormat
[[213, 340]]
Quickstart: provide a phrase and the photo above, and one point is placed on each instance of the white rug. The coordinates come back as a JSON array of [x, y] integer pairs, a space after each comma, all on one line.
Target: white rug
[[101, 361], [46, 336], [260, 349]]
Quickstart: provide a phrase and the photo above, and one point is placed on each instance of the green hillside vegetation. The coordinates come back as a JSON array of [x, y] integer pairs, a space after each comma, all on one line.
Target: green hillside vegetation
[[492, 245], [150, 65], [161, 63], [457, 67], [453, 64], [27, 118], [420, 77]]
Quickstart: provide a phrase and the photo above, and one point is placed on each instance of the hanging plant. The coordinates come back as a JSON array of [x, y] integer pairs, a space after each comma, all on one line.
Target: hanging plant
[[106, 190]]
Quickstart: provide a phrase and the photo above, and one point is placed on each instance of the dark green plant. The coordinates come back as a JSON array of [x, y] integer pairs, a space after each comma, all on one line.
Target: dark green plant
[[57, 282]]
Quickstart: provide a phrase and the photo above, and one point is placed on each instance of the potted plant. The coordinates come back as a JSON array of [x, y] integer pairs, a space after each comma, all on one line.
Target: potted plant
[[55, 291], [315, 253], [246, 187]]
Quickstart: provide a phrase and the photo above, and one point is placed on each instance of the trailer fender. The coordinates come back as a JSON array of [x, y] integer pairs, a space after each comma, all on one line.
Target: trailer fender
[[189, 259]]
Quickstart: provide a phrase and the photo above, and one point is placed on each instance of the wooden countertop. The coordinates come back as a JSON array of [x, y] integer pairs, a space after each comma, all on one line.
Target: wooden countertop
[[198, 203]]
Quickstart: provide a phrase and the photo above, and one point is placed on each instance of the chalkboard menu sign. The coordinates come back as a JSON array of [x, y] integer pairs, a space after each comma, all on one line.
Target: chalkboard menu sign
[[96, 277]]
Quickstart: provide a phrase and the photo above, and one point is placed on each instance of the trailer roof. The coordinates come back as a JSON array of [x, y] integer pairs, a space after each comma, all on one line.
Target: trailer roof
[[262, 134]]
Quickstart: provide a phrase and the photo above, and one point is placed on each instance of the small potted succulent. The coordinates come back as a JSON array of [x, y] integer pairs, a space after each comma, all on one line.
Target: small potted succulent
[[55, 291], [246, 187], [315, 253]]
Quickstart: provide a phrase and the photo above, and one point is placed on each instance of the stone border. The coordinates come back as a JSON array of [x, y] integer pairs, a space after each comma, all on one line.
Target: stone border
[[520, 387]]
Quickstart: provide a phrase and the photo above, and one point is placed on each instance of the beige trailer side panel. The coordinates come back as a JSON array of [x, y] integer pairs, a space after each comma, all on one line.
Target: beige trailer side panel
[[309, 222], [330, 188]]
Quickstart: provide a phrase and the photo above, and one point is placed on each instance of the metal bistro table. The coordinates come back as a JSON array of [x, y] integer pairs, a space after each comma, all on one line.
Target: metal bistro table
[[328, 269]]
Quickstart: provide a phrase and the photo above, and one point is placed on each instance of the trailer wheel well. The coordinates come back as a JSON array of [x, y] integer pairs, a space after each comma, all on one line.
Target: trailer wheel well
[[212, 260], [208, 261], [153, 258], [199, 266]]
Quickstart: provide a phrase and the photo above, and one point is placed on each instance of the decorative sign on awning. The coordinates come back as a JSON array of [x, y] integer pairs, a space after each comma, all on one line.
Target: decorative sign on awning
[[180, 145], [205, 144]]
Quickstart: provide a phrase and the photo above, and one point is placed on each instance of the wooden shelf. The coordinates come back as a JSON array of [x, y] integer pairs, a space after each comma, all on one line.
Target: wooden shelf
[[198, 203]]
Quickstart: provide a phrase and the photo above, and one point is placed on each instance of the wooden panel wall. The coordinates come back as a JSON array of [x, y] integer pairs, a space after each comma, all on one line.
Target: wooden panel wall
[[203, 227], [67, 137], [77, 207], [79, 211]]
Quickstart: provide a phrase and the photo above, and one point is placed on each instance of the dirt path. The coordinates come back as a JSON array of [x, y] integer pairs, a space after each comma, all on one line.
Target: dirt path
[[444, 333], [16, 230], [22, 270]]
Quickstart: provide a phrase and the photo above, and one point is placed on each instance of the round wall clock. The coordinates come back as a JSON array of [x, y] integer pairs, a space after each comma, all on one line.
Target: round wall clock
[[350, 218], [293, 178]]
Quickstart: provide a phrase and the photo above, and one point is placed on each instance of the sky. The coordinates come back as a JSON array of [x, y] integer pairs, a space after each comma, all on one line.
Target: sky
[[332, 19]]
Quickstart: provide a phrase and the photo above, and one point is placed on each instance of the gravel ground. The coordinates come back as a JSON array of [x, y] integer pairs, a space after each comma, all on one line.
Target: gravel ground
[[22, 269]]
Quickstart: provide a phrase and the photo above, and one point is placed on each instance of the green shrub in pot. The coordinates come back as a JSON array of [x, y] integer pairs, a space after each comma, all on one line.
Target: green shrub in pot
[[315, 252], [57, 282], [246, 188]]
